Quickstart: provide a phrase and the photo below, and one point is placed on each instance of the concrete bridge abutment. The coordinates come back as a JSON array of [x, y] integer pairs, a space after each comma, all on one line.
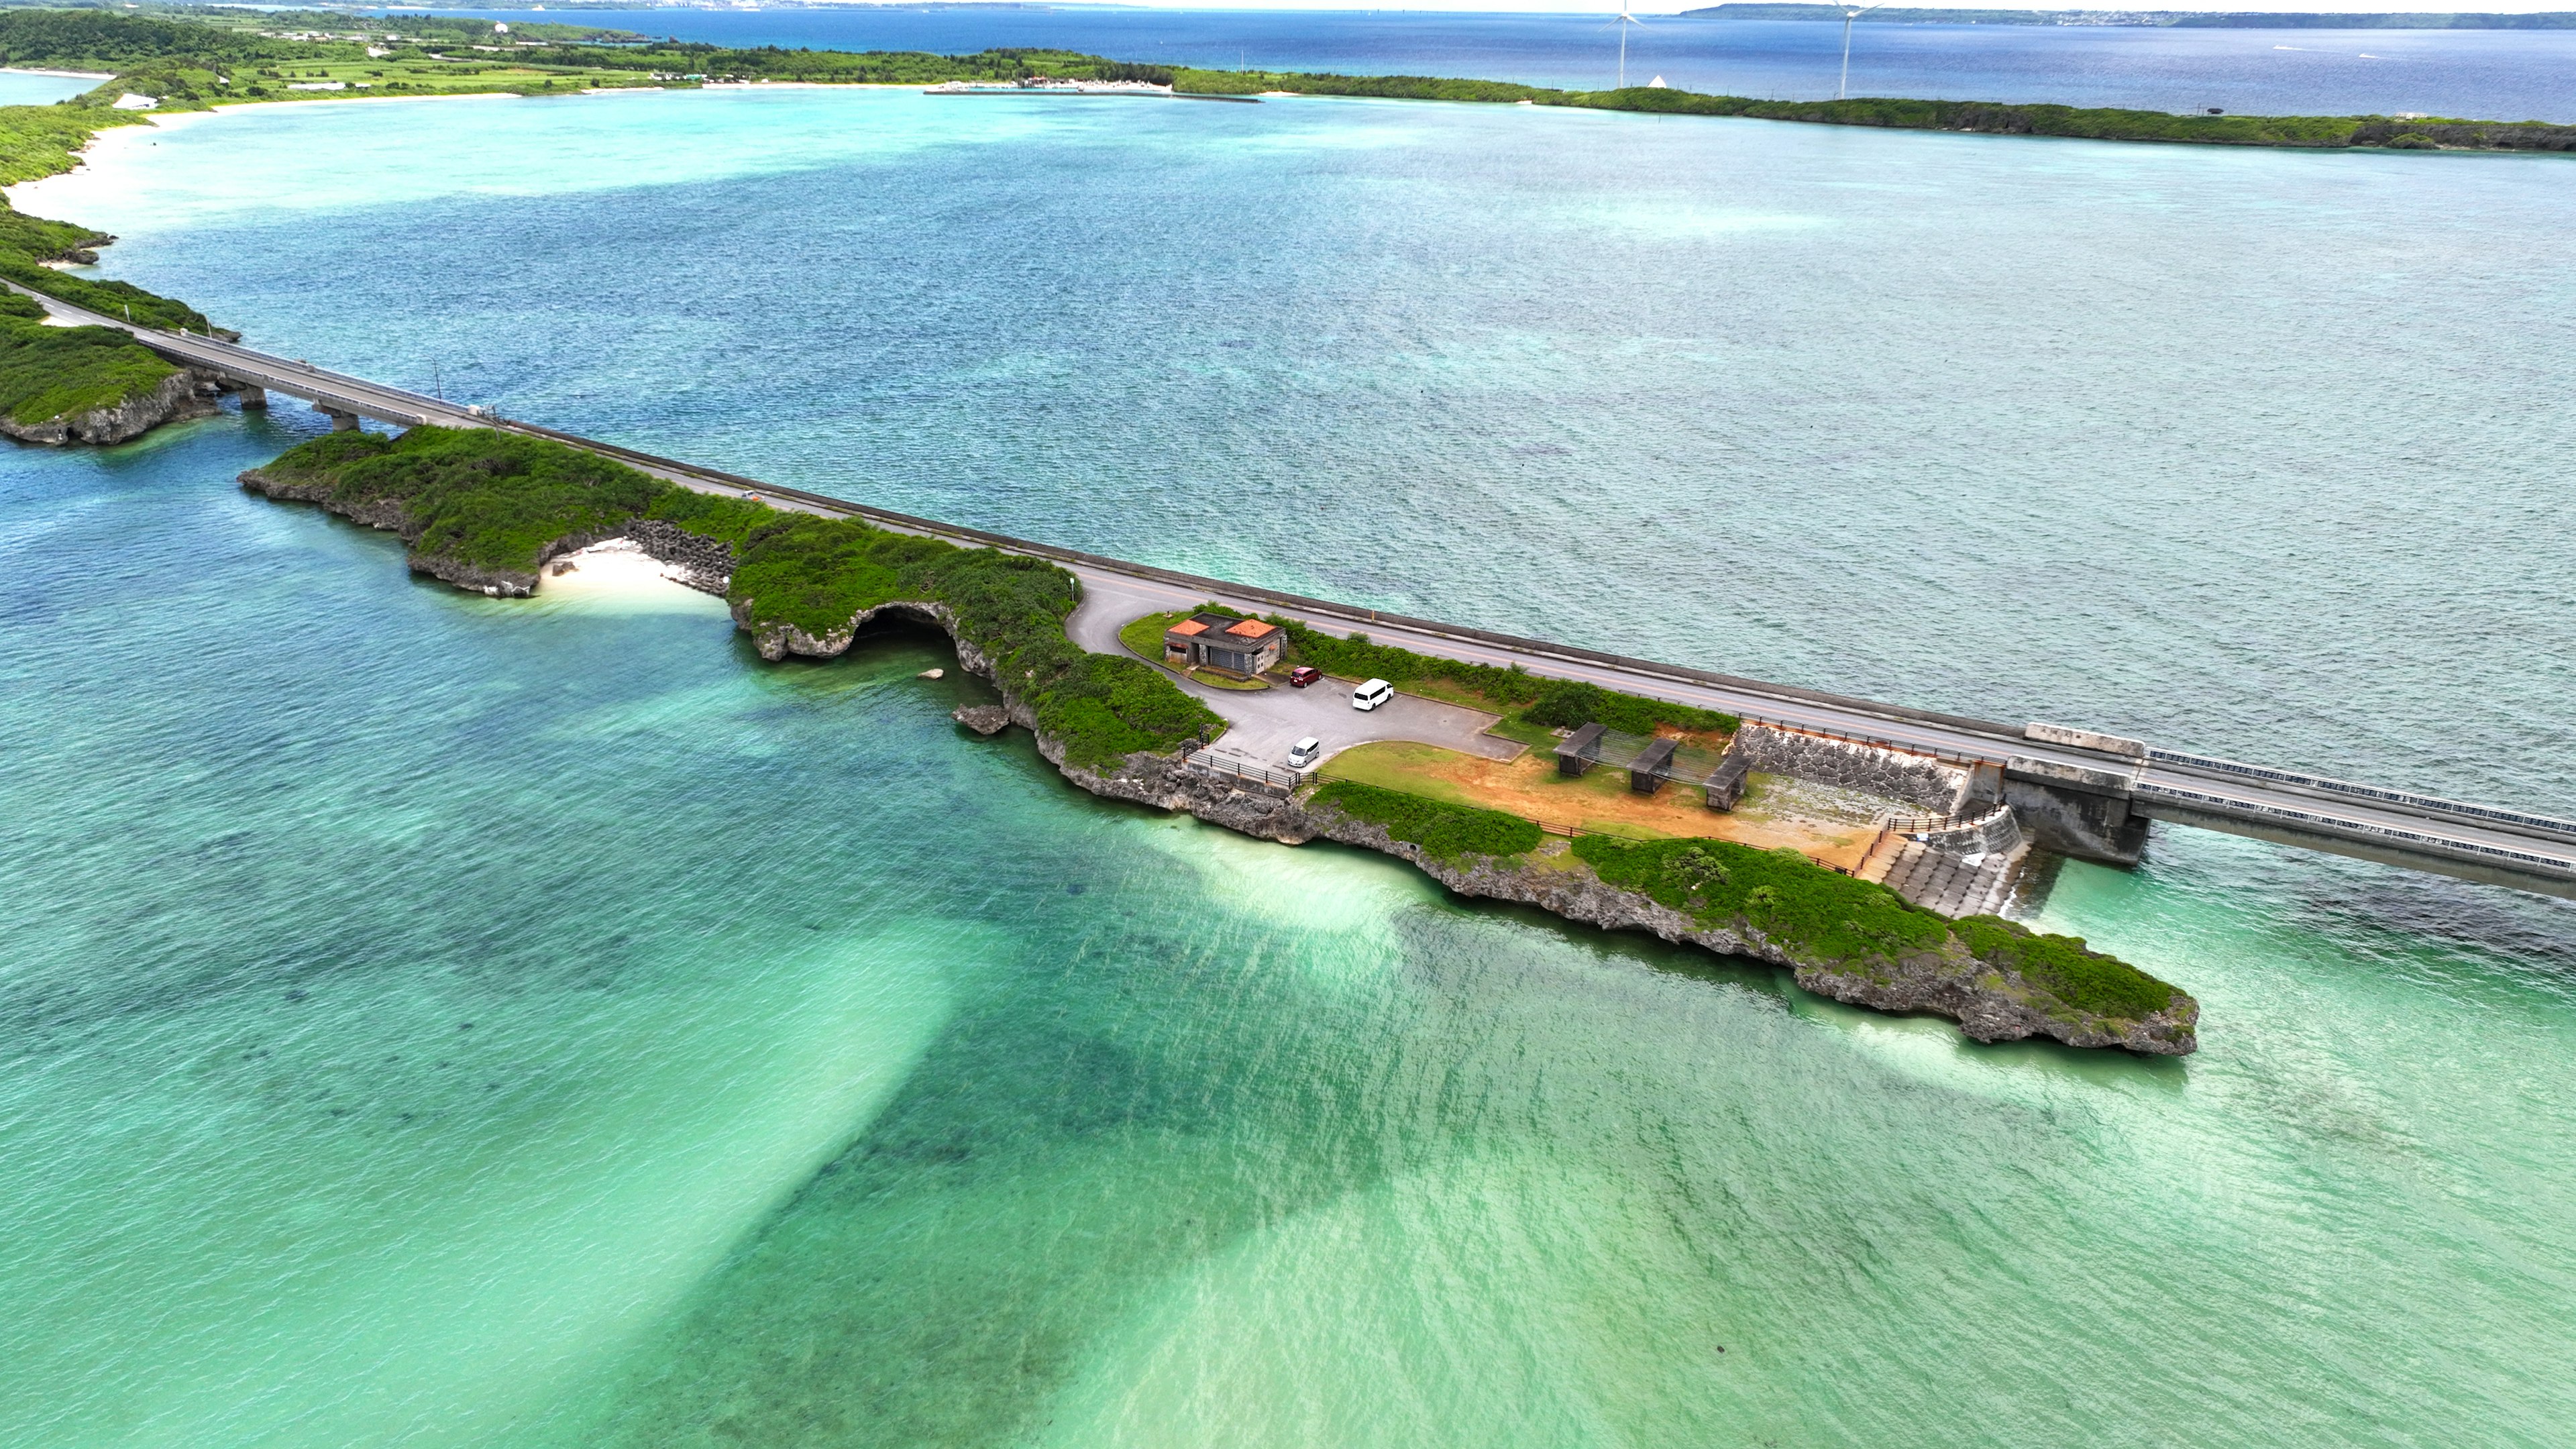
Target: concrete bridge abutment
[[2077, 811]]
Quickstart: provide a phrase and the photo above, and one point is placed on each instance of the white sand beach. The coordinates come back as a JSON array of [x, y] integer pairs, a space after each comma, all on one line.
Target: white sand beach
[[617, 573]]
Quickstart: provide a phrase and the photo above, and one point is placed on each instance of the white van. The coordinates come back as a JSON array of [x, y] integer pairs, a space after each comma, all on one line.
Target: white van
[[1372, 694], [1303, 753]]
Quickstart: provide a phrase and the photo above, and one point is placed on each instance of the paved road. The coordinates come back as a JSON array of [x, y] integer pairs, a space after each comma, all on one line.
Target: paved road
[[1265, 723], [2190, 790], [332, 390]]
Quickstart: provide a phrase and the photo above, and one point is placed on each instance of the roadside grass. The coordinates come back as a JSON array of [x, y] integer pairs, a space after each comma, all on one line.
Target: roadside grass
[[1401, 765], [1512, 692], [1520, 731]]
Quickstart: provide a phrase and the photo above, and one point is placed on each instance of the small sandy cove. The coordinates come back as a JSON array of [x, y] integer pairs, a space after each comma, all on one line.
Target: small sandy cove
[[618, 571]]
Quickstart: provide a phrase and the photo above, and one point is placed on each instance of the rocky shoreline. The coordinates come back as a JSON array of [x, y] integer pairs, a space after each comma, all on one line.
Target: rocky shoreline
[[1990, 1002]]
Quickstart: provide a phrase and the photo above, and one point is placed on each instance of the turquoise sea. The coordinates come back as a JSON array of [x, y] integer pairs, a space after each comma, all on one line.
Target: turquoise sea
[[432, 1020]]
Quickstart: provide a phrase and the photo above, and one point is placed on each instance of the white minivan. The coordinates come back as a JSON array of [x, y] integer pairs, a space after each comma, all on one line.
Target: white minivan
[[1303, 753], [1372, 694]]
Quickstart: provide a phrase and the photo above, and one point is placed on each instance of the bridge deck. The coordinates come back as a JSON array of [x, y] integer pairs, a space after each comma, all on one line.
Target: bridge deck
[[2420, 832]]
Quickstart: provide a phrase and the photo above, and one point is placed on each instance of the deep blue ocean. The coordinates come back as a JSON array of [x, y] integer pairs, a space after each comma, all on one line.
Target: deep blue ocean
[[440, 1021]]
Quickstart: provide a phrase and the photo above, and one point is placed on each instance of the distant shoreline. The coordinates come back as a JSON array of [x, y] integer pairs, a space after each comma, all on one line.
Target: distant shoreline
[[2151, 19]]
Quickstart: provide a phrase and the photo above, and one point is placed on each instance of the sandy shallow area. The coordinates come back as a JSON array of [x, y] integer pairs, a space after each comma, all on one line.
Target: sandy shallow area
[[29, 195]]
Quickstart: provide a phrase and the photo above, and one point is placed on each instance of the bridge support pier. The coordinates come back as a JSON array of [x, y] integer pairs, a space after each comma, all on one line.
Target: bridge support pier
[[251, 397], [341, 422]]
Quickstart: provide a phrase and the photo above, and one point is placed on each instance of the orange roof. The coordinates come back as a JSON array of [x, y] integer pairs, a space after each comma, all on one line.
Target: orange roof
[[1250, 628], [1189, 626]]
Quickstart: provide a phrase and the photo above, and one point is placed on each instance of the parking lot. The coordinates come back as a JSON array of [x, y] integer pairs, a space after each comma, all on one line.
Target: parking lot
[[1266, 722]]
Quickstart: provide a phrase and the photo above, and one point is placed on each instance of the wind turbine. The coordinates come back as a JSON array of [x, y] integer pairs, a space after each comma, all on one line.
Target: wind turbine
[[1623, 20], [1850, 14]]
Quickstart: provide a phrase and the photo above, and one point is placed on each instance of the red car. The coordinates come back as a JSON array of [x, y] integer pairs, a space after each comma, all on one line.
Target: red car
[[1303, 675]]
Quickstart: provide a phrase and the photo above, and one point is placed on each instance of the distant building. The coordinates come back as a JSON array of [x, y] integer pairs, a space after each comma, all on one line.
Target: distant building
[[1221, 641]]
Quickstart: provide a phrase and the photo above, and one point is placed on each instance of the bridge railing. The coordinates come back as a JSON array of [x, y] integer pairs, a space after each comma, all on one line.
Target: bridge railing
[[1224, 767], [2429, 804], [2149, 792]]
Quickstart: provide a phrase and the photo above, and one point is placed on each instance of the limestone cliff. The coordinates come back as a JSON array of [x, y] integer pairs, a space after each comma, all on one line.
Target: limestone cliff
[[183, 394]]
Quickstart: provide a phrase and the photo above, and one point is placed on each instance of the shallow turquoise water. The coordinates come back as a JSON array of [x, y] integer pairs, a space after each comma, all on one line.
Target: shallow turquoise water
[[834, 1078], [26, 88]]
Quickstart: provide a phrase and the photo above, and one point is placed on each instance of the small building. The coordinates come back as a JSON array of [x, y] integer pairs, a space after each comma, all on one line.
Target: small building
[[1221, 641]]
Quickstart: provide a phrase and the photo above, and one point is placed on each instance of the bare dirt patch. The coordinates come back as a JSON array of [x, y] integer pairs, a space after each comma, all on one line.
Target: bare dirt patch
[[1601, 800]]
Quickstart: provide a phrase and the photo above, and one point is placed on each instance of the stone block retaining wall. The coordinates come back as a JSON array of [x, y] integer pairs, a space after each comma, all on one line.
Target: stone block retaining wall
[[1940, 789]]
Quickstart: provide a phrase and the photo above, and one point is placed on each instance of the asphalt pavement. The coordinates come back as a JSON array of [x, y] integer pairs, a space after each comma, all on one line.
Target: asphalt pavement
[[1264, 723]]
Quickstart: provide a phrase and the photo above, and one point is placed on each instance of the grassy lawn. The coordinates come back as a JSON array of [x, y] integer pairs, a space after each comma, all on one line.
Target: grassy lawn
[[1528, 787], [1144, 637], [1538, 737]]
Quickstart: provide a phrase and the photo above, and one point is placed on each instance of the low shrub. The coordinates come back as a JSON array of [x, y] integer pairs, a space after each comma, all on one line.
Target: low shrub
[[46, 372], [500, 500], [107, 298], [1782, 894], [1571, 704], [494, 500], [2078, 975], [1444, 831]]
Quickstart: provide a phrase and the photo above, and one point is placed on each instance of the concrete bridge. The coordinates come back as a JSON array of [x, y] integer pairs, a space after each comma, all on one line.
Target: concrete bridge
[[2076, 791]]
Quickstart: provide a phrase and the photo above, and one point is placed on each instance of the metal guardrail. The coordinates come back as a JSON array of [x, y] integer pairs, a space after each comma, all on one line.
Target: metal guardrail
[[1208, 762], [2331, 825], [2431, 804]]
